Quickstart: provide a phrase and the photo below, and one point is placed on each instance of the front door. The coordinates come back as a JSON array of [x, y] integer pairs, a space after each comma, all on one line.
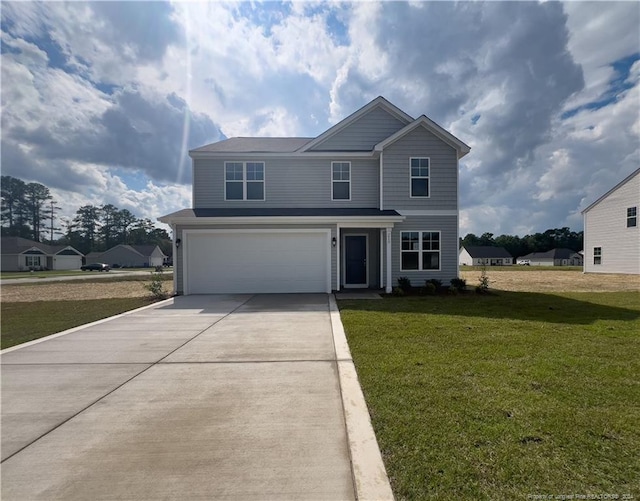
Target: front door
[[355, 259]]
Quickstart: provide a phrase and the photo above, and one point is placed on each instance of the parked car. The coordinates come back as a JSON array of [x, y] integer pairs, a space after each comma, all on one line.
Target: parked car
[[524, 262], [95, 267]]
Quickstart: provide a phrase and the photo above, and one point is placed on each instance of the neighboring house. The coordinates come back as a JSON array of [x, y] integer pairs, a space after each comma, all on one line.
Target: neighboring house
[[554, 257], [485, 256], [372, 199], [129, 256], [21, 254], [611, 230]]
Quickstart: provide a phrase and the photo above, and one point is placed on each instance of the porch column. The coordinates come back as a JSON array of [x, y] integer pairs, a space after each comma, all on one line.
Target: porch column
[[381, 260], [337, 257], [387, 288]]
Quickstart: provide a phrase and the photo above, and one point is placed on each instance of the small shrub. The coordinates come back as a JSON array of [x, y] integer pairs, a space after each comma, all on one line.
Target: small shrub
[[453, 290], [404, 283], [458, 283], [429, 289], [156, 286], [436, 283], [483, 285], [397, 291]]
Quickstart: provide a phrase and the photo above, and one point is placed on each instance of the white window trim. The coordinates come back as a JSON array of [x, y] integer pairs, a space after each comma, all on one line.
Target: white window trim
[[629, 218], [598, 256], [420, 177], [245, 181], [340, 181], [420, 250]]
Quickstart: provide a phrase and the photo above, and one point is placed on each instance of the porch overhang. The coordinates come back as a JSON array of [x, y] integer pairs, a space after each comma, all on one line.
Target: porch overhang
[[344, 217]]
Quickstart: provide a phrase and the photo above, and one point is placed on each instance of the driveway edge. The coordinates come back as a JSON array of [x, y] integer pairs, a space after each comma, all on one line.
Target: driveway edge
[[79, 327], [370, 476]]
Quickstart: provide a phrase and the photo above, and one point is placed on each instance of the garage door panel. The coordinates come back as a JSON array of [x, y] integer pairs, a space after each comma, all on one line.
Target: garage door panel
[[257, 262]]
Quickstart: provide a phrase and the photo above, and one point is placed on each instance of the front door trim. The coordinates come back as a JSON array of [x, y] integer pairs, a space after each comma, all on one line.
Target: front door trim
[[366, 254]]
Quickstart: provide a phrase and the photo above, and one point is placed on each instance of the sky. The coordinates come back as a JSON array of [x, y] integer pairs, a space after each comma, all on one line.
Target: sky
[[101, 101]]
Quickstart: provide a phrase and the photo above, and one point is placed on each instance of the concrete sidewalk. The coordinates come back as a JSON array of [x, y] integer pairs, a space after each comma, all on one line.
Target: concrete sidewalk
[[198, 397]]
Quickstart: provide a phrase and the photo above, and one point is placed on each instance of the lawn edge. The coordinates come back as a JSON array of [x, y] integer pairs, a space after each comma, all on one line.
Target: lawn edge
[[80, 327], [369, 474]]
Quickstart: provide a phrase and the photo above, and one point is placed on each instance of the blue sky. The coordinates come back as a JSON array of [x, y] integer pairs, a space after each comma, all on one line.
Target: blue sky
[[102, 100]]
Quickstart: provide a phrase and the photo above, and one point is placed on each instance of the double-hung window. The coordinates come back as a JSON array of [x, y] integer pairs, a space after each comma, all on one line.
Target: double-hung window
[[419, 250], [32, 261], [632, 217], [244, 181], [419, 173], [597, 255], [340, 180]]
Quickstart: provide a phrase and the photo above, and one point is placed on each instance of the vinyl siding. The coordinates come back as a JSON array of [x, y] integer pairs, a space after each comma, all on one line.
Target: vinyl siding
[[10, 262], [448, 228], [364, 133], [178, 263], [443, 175], [123, 257], [289, 182], [606, 226]]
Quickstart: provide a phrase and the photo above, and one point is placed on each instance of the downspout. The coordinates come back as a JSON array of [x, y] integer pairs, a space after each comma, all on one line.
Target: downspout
[[458, 215]]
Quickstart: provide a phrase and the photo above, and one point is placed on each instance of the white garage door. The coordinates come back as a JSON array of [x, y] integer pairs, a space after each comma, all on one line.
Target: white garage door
[[67, 262], [257, 262]]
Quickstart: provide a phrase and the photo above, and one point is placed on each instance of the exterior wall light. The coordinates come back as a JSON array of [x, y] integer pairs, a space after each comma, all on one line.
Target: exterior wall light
[[178, 242], [334, 241]]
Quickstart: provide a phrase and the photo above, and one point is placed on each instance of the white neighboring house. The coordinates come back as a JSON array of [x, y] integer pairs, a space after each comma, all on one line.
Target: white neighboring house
[[484, 256], [611, 231]]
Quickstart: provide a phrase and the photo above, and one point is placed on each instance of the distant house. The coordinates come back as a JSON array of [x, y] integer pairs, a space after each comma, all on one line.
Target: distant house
[[484, 256], [129, 256], [554, 257], [611, 232], [22, 254]]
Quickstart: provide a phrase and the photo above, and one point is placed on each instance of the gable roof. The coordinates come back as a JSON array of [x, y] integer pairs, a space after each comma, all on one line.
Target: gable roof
[[562, 253], [378, 102], [486, 251], [621, 183], [431, 126], [142, 250], [18, 245]]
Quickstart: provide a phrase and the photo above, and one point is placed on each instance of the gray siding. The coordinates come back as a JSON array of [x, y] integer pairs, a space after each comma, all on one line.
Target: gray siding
[[177, 262], [364, 133], [289, 183], [10, 262], [605, 225], [443, 182], [448, 228]]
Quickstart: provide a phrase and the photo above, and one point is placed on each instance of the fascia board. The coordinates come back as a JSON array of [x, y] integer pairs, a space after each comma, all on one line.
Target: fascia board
[[342, 220], [617, 186]]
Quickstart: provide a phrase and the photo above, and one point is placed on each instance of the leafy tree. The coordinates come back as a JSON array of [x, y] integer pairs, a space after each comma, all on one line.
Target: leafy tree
[[36, 195], [87, 223], [109, 229], [124, 221], [13, 207]]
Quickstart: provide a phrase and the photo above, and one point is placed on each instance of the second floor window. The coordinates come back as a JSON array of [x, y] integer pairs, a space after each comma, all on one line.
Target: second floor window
[[244, 181], [340, 181], [632, 217], [419, 177]]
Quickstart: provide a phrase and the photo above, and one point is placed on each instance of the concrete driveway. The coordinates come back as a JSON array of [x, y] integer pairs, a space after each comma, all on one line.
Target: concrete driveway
[[199, 397]]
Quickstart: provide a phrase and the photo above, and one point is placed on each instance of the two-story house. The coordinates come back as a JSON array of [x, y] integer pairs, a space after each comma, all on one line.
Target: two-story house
[[373, 198], [611, 229]]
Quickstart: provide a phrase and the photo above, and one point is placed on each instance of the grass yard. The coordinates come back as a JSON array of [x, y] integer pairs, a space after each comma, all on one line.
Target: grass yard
[[25, 321], [506, 396]]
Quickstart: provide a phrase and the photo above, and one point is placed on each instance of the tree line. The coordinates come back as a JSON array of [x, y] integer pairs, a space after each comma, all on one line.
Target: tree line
[[29, 211], [557, 238]]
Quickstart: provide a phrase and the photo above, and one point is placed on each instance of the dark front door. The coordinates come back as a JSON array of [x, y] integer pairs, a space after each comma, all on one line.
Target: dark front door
[[355, 257]]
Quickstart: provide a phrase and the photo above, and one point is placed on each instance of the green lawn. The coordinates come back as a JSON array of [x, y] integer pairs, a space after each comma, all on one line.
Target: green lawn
[[5, 275], [22, 322], [502, 396]]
